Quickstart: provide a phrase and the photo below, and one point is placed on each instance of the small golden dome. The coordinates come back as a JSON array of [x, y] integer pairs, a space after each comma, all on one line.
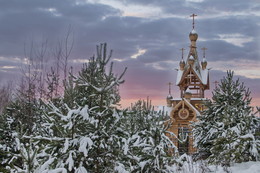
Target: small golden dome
[[204, 63], [191, 60], [182, 64], [193, 35], [169, 97]]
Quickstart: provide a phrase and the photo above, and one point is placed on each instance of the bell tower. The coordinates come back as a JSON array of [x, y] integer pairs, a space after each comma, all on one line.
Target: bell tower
[[192, 80], [192, 74]]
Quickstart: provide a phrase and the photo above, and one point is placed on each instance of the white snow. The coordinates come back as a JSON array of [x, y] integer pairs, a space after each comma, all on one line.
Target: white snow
[[247, 136], [234, 129], [198, 98], [57, 170], [191, 57], [204, 76], [120, 168], [70, 161], [190, 166], [125, 147], [169, 96], [176, 99], [188, 90], [179, 76], [143, 163], [245, 167], [193, 31], [66, 145], [81, 170], [85, 144], [17, 143], [84, 112], [45, 166]]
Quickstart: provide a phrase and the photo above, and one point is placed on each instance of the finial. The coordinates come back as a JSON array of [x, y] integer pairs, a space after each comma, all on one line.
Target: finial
[[169, 87], [193, 23], [182, 50], [204, 51]]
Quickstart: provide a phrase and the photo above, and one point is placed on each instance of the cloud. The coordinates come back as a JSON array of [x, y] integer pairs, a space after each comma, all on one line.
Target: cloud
[[235, 39], [151, 31], [139, 53], [35, 19]]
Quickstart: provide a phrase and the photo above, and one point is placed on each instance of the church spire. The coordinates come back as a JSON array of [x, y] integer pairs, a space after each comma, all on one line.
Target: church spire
[[193, 74], [193, 38], [204, 51], [182, 51]]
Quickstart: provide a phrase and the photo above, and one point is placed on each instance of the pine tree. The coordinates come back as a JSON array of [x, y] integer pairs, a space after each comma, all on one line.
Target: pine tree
[[84, 133], [226, 129], [21, 118], [146, 148]]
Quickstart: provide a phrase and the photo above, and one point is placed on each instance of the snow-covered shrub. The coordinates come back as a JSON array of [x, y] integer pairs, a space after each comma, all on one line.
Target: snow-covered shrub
[[186, 164]]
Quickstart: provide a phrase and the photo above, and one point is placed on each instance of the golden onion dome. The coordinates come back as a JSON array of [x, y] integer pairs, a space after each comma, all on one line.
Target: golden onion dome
[[182, 62], [193, 35], [191, 60], [169, 97], [204, 63]]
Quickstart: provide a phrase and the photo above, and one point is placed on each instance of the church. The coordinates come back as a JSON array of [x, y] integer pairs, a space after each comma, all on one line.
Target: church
[[192, 80]]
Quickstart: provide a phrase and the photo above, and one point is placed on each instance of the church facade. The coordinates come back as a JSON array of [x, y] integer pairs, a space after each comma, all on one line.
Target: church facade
[[192, 80]]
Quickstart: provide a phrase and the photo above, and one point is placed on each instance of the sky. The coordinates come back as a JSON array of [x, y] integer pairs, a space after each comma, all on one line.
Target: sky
[[145, 35]]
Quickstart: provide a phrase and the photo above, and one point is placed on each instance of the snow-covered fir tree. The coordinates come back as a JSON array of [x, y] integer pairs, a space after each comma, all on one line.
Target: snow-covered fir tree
[[21, 118], [226, 128], [146, 147], [84, 125]]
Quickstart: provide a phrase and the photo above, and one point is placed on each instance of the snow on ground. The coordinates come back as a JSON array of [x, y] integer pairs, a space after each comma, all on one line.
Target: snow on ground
[[201, 166], [245, 167]]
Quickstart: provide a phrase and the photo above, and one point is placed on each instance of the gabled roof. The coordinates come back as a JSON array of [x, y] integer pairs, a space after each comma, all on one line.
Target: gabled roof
[[192, 107], [202, 75], [188, 104]]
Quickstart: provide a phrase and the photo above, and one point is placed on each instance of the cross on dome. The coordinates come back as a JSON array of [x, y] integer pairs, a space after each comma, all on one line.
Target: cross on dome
[[193, 23], [169, 87], [182, 50], [204, 51]]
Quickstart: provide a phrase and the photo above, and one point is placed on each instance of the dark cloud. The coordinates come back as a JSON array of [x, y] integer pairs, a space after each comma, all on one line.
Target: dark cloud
[[34, 19]]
